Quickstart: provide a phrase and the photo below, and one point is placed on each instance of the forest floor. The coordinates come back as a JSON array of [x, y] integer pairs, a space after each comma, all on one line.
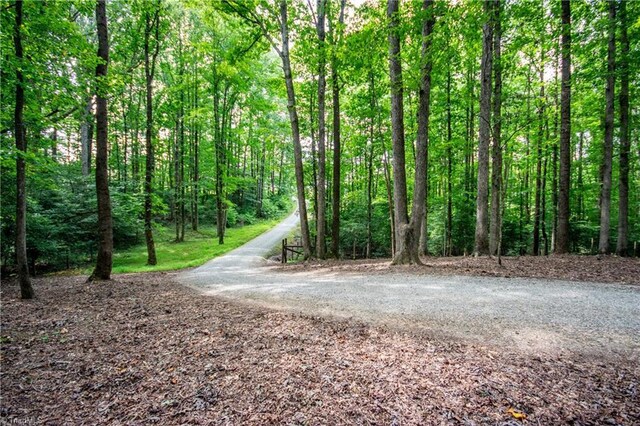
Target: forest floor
[[598, 269], [143, 349]]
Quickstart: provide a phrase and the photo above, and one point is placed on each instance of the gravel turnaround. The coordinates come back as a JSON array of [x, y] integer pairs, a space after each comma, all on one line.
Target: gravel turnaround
[[523, 314]]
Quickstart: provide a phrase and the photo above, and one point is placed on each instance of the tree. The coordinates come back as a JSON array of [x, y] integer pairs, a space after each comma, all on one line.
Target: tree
[[401, 253], [562, 240], [623, 200], [322, 85], [482, 203], [336, 36], [605, 194], [538, 213], [151, 29], [496, 147], [102, 270], [408, 231], [26, 290]]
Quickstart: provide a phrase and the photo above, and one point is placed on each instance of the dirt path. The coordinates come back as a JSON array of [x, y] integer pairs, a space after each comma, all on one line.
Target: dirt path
[[531, 315]]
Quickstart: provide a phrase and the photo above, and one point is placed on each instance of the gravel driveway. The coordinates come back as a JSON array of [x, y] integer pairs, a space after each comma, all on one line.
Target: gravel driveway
[[525, 314]]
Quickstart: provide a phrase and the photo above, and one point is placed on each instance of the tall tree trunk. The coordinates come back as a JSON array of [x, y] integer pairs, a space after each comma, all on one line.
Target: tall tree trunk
[[335, 85], [314, 159], [482, 206], [554, 167], [407, 234], [196, 157], [401, 254], [295, 130], [580, 185], [605, 194], [26, 290], [86, 136], [496, 176], [538, 199], [562, 241], [543, 217], [102, 270], [625, 142], [176, 178], [151, 25], [322, 86]]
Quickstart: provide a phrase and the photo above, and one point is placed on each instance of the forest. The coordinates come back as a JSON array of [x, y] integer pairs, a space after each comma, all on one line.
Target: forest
[[441, 128]]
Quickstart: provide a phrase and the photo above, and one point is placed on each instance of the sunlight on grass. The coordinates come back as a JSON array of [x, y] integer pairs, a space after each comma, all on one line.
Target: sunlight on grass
[[198, 248]]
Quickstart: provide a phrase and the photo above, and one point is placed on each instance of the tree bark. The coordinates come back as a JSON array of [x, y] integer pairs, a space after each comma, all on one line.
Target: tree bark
[[605, 194], [196, 157], [537, 213], [104, 258], [151, 25], [482, 205], [322, 88], [335, 85], [86, 137], [562, 241], [625, 142], [26, 290], [496, 172], [403, 233]]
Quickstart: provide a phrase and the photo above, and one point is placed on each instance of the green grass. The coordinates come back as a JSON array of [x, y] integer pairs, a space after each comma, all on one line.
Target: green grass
[[197, 248]]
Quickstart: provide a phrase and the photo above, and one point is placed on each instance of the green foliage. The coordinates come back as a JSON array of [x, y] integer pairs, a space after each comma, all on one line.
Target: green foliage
[[219, 97]]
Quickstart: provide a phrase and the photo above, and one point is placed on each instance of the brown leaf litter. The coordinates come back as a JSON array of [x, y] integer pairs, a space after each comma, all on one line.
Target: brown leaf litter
[[142, 349], [603, 269]]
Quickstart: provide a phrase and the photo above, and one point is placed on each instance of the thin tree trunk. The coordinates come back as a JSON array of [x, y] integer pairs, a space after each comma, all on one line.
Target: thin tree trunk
[[314, 160], [196, 159], [605, 195], [543, 217], [54, 144], [26, 290], [496, 176], [335, 84], [322, 88], [221, 156], [562, 242], [625, 142], [180, 182], [86, 136], [102, 270], [151, 24], [538, 199], [482, 206], [554, 167], [580, 185]]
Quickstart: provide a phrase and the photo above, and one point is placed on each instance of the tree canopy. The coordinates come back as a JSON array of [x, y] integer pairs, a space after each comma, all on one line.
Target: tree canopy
[[497, 125]]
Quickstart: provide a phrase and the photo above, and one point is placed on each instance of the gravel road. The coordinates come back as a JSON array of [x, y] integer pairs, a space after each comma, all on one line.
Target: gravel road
[[524, 314]]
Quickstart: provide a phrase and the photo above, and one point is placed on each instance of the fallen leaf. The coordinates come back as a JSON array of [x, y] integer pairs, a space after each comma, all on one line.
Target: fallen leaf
[[516, 414]]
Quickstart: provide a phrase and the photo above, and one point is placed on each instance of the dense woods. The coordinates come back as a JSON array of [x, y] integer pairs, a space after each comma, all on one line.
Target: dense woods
[[406, 127]]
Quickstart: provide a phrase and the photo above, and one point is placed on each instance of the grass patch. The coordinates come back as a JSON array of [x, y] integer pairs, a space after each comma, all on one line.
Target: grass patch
[[197, 249]]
